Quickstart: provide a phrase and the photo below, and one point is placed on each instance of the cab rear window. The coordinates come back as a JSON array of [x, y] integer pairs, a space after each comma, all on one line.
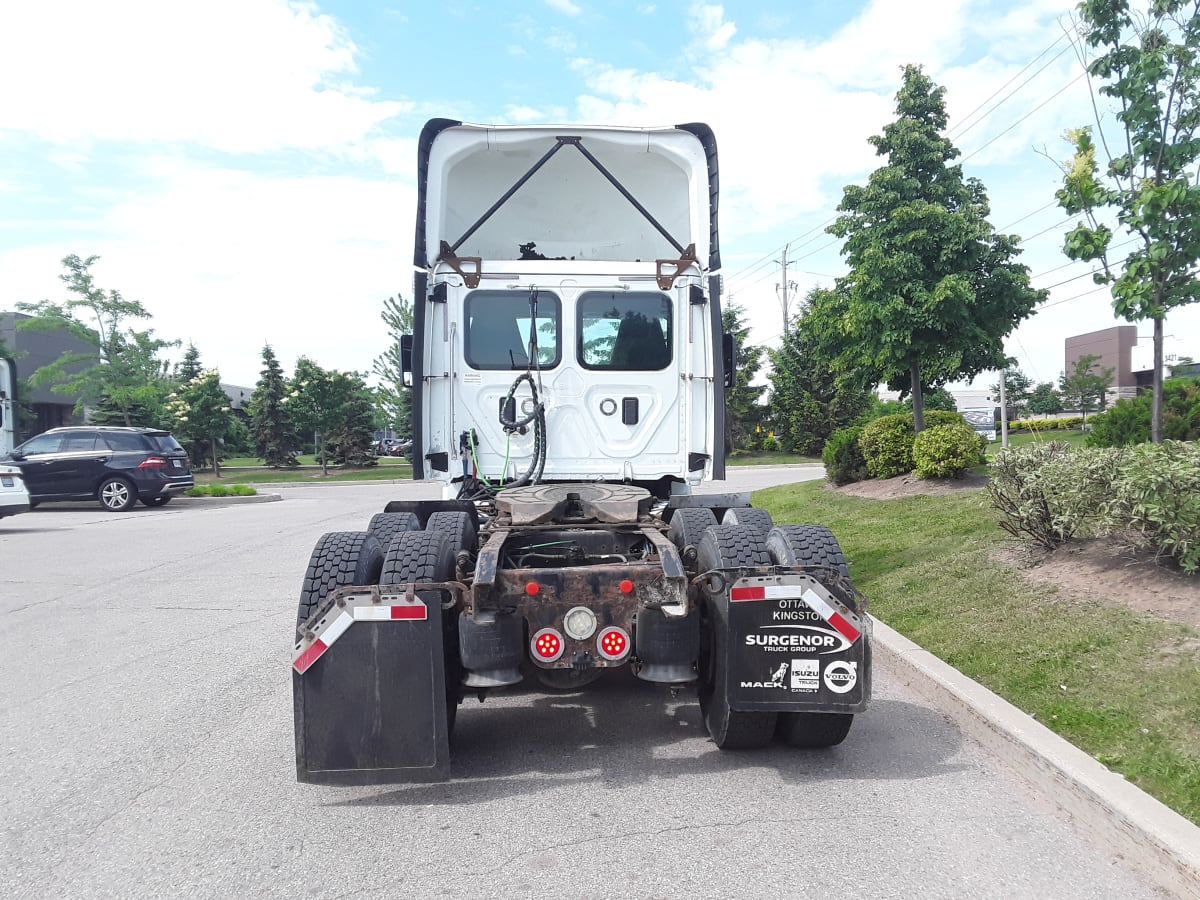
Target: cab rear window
[[501, 325], [624, 331]]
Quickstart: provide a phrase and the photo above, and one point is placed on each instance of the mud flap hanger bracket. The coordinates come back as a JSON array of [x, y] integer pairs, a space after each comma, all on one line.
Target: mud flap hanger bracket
[[447, 253]]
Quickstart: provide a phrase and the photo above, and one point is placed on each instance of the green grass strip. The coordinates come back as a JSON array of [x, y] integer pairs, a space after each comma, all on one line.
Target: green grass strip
[[1121, 685]]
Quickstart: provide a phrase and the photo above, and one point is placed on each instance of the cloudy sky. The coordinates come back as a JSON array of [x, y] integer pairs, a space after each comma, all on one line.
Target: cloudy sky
[[245, 168]]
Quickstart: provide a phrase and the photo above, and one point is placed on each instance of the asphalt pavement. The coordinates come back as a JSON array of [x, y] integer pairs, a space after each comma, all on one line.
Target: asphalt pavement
[[147, 747]]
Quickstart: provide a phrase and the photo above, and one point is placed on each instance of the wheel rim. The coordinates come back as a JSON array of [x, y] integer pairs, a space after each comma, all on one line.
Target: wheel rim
[[114, 494]]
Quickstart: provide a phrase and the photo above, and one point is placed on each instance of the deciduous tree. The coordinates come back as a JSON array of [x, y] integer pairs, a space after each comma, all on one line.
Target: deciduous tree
[[932, 289], [123, 371], [1085, 385], [1148, 63], [202, 416]]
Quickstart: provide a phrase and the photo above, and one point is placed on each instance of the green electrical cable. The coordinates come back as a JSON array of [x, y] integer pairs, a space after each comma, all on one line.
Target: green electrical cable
[[475, 458]]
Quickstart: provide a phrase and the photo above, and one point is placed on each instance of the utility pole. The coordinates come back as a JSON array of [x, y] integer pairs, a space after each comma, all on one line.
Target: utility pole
[[784, 290], [1003, 410]]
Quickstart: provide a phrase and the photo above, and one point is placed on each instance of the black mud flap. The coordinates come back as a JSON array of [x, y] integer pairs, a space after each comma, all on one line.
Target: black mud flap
[[369, 693], [795, 647]]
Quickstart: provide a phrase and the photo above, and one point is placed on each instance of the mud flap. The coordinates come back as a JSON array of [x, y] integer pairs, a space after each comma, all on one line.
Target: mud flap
[[795, 647], [369, 693]]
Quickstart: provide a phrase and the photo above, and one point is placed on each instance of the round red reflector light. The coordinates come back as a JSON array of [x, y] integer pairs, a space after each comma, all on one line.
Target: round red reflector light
[[626, 586], [532, 588], [613, 643], [547, 645]]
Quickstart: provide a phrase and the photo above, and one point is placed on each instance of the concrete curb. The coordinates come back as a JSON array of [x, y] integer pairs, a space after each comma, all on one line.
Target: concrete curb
[[214, 502], [1161, 845]]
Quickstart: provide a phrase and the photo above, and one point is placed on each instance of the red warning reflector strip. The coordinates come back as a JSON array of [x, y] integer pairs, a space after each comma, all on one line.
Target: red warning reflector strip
[[749, 593], [309, 656], [830, 615], [846, 624], [411, 612]]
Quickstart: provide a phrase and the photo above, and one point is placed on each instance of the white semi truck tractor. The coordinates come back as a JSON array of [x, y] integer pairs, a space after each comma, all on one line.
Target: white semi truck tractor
[[568, 373]]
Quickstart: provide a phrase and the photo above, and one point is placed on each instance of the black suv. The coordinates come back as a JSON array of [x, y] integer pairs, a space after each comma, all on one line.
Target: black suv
[[117, 466]]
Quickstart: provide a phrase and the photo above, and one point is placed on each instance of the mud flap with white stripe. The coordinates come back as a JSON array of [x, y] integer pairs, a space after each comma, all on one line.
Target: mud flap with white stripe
[[795, 647], [369, 693]]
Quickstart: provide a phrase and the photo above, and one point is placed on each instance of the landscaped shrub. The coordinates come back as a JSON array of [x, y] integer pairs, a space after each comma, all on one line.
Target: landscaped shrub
[[946, 451], [1157, 498], [1045, 424], [887, 445], [220, 490], [1128, 422], [843, 456], [1047, 493], [887, 441]]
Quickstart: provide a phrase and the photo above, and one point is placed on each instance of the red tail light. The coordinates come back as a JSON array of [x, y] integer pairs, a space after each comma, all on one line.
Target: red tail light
[[152, 462], [547, 645], [613, 643]]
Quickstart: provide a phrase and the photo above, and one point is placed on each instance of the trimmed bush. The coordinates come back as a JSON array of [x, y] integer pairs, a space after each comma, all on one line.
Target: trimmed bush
[[1046, 424], [887, 442], [843, 456], [887, 445], [946, 451], [220, 490]]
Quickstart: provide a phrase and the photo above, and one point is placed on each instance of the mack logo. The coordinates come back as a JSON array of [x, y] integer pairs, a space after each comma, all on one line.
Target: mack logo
[[798, 636]]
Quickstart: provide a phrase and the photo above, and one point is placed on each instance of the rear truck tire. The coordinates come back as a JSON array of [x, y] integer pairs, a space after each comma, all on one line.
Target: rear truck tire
[[160, 500], [748, 516], [340, 558], [386, 526], [727, 546], [457, 525], [689, 525], [116, 495], [425, 556], [812, 545]]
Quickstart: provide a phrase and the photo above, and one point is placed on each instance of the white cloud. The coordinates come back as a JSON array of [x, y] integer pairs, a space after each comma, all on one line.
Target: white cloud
[[230, 260], [234, 75], [566, 7], [709, 24]]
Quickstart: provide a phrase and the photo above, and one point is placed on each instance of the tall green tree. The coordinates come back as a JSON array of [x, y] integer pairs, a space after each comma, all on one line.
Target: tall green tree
[[123, 370], [809, 401], [1148, 63], [275, 439], [744, 410], [1086, 385], [203, 417], [1044, 400], [336, 407], [392, 396], [932, 289], [1017, 387], [189, 367]]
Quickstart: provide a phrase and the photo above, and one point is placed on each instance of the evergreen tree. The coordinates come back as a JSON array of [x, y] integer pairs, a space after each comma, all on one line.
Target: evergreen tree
[[393, 397], [744, 411], [932, 289], [808, 400], [275, 439], [189, 367], [352, 437]]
